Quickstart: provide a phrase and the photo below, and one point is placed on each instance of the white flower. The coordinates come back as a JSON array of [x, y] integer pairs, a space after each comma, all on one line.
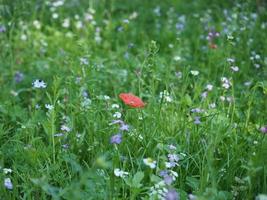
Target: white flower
[[150, 162], [115, 106], [222, 98], [177, 58], [49, 106], [212, 105], [194, 72], [65, 128], [23, 37], [8, 184], [120, 173], [117, 115], [7, 170], [106, 97], [79, 24], [54, 15], [84, 61], [36, 24], [66, 23], [226, 85], [230, 60], [209, 87], [235, 68], [39, 84]]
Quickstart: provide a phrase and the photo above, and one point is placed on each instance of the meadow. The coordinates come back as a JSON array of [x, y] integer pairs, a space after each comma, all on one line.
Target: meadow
[[131, 99]]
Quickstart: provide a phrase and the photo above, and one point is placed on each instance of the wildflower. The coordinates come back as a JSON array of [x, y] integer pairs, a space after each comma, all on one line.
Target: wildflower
[[2, 28], [192, 197], [204, 95], [66, 23], [118, 121], [116, 139], [197, 120], [7, 170], [124, 127], [222, 98], [172, 195], [115, 106], [39, 84], [168, 180], [150, 162], [65, 146], [225, 83], [36, 24], [170, 164], [165, 96], [117, 115], [132, 100], [120, 173], [49, 106], [173, 157], [18, 77], [212, 105], [264, 129], [197, 110], [8, 184], [209, 87], [178, 74], [177, 58], [79, 24], [230, 60], [194, 72], [235, 68], [23, 37], [65, 128], [172, 147], [84, 61], [54, 15], [58, 135]]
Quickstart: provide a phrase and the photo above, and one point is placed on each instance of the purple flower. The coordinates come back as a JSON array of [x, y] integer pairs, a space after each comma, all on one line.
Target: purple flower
[[124, 127], [197, 120], [8, 184], [2, 28], [163, 173], [18, 77], [172, 195], [168, 180], [264, 129], [116, 122], [116, 139]]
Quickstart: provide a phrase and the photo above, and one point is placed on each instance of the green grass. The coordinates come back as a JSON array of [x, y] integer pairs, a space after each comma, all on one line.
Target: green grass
[[151, 49]]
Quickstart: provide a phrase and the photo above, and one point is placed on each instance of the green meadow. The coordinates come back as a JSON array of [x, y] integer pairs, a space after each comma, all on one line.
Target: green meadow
[[133, 99]]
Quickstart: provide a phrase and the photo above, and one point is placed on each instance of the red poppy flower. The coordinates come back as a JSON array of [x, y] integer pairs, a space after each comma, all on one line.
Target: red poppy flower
[[132, 100], [213, 46]]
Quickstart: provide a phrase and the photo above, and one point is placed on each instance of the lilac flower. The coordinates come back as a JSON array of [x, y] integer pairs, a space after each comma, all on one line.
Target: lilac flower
[[172, 195], [264, 129], [168, 179], [8, 184], [196, 110], [2, 28], [18, 77], [116, 122], [124, 127], [65, 146], [197, 120], [116, 139], [173, 157], [163, 173]]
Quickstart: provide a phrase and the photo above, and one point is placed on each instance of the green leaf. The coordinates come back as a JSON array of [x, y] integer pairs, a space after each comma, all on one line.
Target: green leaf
[[138, 177], [192, 182]]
